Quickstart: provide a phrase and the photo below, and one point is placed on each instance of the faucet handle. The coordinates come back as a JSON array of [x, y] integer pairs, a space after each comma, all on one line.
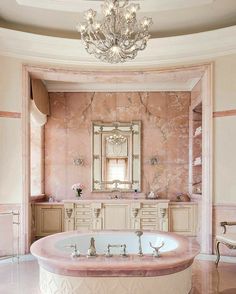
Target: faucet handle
[[123, 253], [75, 253], [156, 248]]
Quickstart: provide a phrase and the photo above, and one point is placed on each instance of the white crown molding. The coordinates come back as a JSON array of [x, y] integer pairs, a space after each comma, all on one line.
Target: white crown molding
[[168, 86], [162, 51], [81, 5]]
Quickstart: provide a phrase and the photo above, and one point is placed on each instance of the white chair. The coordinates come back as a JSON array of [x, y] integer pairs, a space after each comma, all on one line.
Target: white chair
[[228, 239]]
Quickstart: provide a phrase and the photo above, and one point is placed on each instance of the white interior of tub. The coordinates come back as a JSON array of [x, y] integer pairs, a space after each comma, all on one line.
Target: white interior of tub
[[130, 239]]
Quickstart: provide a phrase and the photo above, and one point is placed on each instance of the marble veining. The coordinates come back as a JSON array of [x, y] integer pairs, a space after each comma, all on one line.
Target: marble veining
[[164, 117]]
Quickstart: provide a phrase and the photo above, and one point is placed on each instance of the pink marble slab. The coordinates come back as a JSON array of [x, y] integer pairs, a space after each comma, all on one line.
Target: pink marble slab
[[57, 261]]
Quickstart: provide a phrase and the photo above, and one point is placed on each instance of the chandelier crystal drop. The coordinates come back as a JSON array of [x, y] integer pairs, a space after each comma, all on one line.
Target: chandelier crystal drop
[[119, 36]]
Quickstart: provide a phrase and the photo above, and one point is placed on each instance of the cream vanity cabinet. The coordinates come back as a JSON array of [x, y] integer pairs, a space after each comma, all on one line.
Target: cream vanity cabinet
[[48, 219], [116, 215], [183, 218]]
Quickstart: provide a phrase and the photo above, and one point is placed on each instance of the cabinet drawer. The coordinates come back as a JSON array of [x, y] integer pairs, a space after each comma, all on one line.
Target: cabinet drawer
[[148, 212], [148, 220], [82, 227], [82, 220], [153, 206], [83, 213], [147, 227], [82, 206]]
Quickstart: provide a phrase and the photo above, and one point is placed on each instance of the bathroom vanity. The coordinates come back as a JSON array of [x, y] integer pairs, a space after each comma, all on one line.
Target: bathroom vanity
[[109, 214], [120, 214]]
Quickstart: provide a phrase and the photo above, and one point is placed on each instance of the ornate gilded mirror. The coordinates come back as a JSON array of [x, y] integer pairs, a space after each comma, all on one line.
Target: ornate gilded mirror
[[116, 156]]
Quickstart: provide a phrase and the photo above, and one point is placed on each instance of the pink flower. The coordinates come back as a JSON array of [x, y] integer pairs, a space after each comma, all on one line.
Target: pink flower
[[77, 186]]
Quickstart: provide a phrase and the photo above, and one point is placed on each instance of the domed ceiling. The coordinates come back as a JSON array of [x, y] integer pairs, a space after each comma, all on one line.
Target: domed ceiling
[[170, 17]]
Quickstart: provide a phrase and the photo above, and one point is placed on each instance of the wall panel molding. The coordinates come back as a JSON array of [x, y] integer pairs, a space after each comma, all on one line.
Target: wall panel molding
[[9, 114], [224, 113]]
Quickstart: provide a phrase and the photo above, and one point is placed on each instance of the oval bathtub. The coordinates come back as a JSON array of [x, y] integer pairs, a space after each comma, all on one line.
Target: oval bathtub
[[60, 273]]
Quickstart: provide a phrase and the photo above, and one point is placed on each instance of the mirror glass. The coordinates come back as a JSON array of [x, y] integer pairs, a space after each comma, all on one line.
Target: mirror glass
[[116, 158]]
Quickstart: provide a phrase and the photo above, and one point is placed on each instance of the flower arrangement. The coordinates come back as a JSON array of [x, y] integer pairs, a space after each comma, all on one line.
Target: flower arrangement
[[78, 188]]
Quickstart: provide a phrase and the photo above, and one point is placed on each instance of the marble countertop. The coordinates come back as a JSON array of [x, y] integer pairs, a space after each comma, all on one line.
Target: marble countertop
[[60, 262], [150, 201], [117, 200], [48, 203]]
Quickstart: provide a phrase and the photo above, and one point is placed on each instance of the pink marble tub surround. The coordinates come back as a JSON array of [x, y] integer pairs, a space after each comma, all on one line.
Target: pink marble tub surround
[[57, 261]]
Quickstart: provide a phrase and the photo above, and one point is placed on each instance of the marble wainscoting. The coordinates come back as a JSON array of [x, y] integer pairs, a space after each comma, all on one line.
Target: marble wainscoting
[[10, 233], [223, 212]]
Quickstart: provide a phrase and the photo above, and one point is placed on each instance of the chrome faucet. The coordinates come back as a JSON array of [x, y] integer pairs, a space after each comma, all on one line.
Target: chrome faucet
[[156, 248], [140, 250], [75, 253], [122, 246], [92, 249]]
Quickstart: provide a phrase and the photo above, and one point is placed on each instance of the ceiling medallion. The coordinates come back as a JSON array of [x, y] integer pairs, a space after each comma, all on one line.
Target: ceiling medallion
[[119, 36]]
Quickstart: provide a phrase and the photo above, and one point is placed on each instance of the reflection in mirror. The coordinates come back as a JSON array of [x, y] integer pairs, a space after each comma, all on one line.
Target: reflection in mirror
[[116, 156]]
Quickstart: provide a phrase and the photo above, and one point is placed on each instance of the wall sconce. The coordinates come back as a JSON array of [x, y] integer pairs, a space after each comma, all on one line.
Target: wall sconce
[[78, 161], [153, 161]]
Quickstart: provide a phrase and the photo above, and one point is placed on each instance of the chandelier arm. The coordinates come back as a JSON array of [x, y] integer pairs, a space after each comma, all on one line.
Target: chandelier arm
[[102, 50], [99, 40], [126, 2]]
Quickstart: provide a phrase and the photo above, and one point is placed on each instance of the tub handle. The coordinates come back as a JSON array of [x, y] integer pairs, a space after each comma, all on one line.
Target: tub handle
[[75, 253], [156, 248], [122, 246]]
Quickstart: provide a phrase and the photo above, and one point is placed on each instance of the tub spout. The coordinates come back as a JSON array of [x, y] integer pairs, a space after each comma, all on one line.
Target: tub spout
[[92, 249], [140, 250]]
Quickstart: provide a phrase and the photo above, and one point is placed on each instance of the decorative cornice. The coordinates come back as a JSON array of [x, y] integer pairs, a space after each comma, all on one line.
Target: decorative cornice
[[9, 114], [162, 51], [122, 87], [224, 113]]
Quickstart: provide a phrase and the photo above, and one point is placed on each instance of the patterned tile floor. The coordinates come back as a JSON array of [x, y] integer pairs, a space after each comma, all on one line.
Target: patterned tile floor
[[22, 278]]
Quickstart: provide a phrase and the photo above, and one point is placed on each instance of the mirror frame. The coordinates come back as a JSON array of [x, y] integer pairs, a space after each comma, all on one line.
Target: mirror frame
[[116, 126]]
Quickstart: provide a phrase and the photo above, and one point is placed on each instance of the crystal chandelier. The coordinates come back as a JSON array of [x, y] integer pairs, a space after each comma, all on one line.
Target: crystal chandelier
[[119, 36], [116, 139]]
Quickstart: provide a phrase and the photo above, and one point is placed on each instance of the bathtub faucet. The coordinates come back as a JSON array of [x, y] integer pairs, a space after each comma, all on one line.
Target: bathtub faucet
[[92, 249], [140, 250], [156, 248], [122, 246], [75, 253]]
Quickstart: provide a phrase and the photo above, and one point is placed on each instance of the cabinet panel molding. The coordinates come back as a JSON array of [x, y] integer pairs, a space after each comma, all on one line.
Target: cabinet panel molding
[[183, 219]]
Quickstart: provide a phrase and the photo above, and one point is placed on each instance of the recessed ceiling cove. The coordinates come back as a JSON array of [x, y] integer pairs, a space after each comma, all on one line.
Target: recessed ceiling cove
[[80, 5]]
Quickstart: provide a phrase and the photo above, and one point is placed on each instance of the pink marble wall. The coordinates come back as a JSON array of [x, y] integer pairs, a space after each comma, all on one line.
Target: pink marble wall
[[165, 128]]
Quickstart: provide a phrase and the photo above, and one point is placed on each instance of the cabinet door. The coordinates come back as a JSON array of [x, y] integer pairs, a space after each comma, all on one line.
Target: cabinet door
[[183, 219], [116, 217], [48, 220]]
